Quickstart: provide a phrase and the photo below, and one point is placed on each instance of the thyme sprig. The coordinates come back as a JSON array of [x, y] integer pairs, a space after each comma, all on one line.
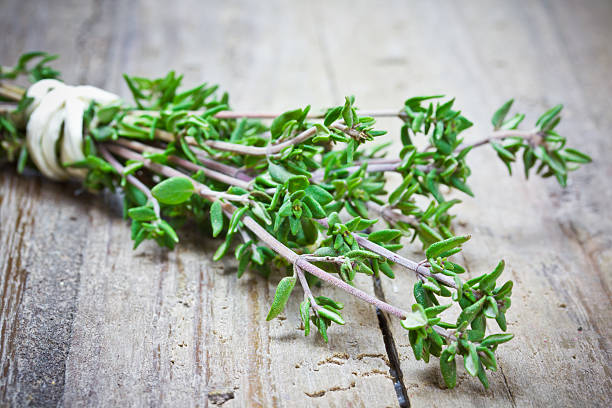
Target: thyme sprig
[[307, 195]]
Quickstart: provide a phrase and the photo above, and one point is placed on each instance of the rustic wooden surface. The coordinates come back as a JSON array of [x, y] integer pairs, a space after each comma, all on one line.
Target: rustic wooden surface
[[86, 321]]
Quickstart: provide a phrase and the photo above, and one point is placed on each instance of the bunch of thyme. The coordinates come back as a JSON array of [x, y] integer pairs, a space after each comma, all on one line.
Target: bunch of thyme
[[306, 195]]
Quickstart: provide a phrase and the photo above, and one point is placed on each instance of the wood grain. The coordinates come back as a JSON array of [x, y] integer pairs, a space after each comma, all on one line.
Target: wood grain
[[87, 321]]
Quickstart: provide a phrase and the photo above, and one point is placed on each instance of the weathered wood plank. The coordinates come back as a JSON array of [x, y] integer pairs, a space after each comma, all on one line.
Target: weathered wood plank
[[86, 321], [170, 328], [556, 242]]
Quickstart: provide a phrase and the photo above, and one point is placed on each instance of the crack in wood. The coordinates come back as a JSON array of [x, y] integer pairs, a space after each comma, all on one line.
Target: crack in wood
[[318, 394], [392, 358]]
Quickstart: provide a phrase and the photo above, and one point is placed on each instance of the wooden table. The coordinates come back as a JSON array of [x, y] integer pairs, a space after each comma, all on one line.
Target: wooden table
[[87, 321]]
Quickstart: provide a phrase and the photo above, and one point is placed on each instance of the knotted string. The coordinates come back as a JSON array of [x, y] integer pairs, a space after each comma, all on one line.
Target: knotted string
[[54, 132]]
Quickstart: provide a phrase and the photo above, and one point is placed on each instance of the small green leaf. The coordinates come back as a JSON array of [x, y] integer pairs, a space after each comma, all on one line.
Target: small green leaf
[[491, 309], [278, 124], [461, 186], [173, 191], [168, 230], [471, 360], [283, 291], [332, 115], [448, 367], [416, 319], [221, 251], [487, 283], [500, 115], [482, 375], [469, 313], [347, 113], [216, 217], [501, 321], [143, 213], [436, 310], [278, 173], [328, 314], [503, 152], [322, 326], [319, 194], [296, 183], [23, 158], [496, 339], [305, 315], [385, 235], [576, 156], [325, 301], [438, 248], [317, 210]]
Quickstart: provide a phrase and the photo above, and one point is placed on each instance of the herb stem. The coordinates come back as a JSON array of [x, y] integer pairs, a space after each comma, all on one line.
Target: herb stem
[[186, 164], [272, 115], [130, 178], [268, 150], [500, 135], [392, 216], [9, 93], [170, 172], [305, 287]]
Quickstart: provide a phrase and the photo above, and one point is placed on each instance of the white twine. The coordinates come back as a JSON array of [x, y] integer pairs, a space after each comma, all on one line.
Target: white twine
[[54, 133]]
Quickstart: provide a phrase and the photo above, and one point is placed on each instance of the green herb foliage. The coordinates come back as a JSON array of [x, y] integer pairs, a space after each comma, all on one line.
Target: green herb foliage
[[308, 192]]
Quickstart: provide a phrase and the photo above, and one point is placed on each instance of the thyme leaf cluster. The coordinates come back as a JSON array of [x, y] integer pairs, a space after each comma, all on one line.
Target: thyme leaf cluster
[[305, 195]]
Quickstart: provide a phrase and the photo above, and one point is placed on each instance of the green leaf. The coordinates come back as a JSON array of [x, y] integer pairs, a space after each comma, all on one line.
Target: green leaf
[[438, 248], [221, 251], [317, 211], [278, 124], [491, 310], [216, 217], [469, 313], [500, 115], [325, 301], [173, 191], [319, 194], [283, 291], [385, 235], [487, 357], [296, 183], [420, 295], [23, 158], [328, 314], [432, 185], [501, 321], [503, 153], [235, 220], [168, 230], [418, 122], [496, 339], [436, 310], [471, 361], [482, 376], [332, 115], [305, 315], [360, 253], [143, 213], [322, 326], [487, 283], [347, 112], [415, 320], [513, 122], [397, 193], [461, 186], [448, 367], [547, 118], [279, 173], [576, 156]]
